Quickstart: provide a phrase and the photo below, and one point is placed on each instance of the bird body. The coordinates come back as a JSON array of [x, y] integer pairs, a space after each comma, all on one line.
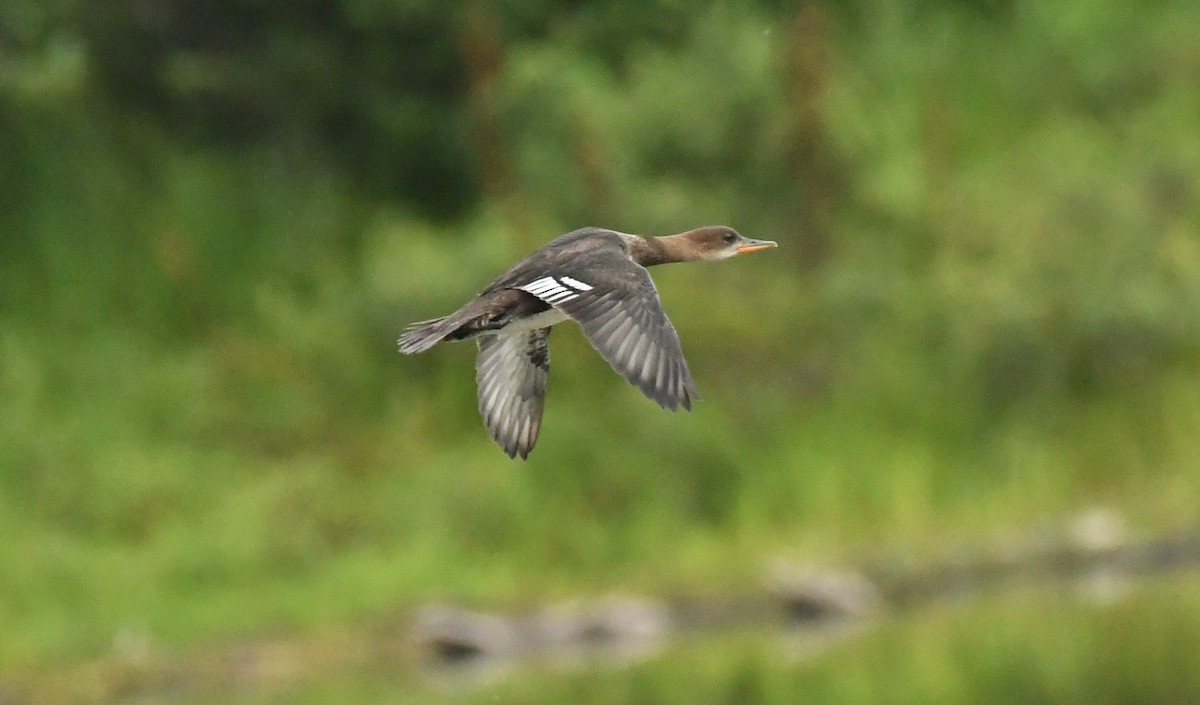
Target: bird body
[[597, 278]]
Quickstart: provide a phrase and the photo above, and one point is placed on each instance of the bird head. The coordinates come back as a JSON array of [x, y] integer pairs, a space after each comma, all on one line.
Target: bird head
[[716, 242]]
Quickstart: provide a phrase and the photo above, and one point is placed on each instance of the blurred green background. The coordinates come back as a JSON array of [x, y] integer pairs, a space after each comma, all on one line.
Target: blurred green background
[[216, 217]]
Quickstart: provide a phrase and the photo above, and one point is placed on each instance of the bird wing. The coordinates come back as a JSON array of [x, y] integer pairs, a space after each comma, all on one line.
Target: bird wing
[[510, 372], [614, 300]]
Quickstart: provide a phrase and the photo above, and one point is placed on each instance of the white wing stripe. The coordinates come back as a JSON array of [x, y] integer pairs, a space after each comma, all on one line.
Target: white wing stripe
[[549, 286], [549, 290], [541, 285], [576, 284], [560, 296]]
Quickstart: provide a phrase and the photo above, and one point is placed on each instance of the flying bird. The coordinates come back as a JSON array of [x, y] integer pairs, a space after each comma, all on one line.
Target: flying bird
[[597, 278]]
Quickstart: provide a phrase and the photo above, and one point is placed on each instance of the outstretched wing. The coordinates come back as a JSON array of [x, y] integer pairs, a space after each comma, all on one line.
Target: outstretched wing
[[616, 304], [510, 373]]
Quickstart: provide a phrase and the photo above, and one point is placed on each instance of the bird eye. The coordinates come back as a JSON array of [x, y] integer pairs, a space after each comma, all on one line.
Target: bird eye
[[730, 238]]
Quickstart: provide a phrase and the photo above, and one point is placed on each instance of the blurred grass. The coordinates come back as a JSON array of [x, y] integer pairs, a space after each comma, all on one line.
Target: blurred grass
[[1036, 647], [1029, 649], [984, 312]]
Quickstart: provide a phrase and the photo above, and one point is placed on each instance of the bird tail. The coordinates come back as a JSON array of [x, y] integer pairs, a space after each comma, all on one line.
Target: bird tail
[[422, 335]]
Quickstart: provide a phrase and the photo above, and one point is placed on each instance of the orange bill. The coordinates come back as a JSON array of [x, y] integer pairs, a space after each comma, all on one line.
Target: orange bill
[[752, 245]]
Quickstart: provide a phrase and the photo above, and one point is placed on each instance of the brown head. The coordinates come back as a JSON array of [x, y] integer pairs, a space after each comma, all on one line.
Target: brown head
[[712, 242]]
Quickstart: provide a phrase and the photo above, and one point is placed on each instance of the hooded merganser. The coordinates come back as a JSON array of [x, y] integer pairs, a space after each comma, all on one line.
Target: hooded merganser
[[597, 278]]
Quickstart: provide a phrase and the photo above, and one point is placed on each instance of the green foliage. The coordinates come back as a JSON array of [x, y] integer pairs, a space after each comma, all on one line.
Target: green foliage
[[985, 310]]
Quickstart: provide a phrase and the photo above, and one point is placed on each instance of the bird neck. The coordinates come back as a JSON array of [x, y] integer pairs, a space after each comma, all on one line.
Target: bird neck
[[649, 251]]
